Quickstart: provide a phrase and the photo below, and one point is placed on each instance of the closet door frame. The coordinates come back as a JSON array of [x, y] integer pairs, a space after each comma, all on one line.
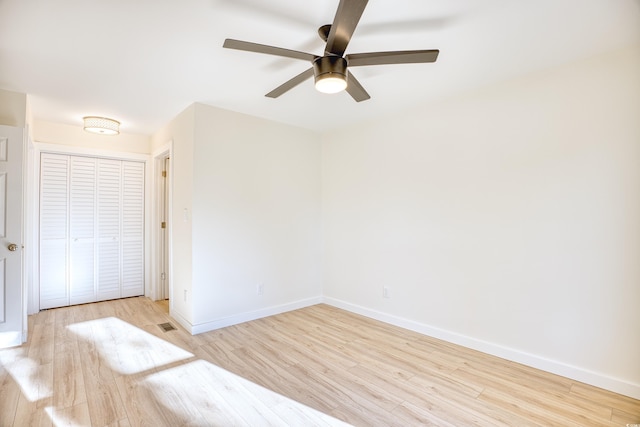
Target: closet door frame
[[33, 192]]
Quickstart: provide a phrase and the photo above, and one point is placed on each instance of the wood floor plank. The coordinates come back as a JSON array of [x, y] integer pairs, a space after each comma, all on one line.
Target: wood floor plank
[[621, 418], [350, 383], [146, 399], [9, 397], [616, 401], [445, 385], [42, 343], [298, 349], [29, 414], [408, 414], [244, 401], [120, 423], [14, 366], [296, 381], [76, 415], [105, 403], [537, 410], [64, 338], [68, 381], [109, 364], [419, 392], [415, 362], [296, 416]]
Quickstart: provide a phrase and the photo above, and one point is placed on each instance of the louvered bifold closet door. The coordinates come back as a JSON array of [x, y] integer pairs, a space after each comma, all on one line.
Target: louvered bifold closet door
[[82, 218], [91, 229], [109, 225], [54, 218], [132, 229]]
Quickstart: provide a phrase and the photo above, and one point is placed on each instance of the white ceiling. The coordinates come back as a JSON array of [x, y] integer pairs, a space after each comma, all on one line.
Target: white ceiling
[[144, 61]]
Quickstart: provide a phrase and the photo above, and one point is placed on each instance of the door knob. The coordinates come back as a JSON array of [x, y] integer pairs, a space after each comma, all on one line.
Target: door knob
[[12, 247]]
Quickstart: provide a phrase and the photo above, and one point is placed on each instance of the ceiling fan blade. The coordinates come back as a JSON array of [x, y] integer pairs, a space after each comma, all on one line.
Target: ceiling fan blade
[[406, 26], [355, 89], [290, 84], [270, 50], [395, 57], [344, 24]]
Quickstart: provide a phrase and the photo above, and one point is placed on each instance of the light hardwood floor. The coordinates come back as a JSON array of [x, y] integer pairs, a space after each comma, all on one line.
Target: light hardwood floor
[[111, 364]]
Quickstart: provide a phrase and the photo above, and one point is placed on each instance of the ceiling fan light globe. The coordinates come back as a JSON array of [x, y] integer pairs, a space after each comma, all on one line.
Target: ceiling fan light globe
[[331, 84], [330, 74]]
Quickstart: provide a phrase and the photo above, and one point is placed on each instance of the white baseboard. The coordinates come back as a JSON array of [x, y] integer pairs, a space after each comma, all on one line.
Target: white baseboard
[[251, 315], [579, 374], [182, 321]]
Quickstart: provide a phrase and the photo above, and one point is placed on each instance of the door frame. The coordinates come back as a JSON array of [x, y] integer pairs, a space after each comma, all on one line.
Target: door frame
[[33, 202], [158, 206]]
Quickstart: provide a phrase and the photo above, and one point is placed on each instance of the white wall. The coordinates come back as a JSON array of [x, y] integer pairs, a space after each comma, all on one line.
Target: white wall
[[245, 210], [181, 131], [507, 220], [256, 218], [13, 108]]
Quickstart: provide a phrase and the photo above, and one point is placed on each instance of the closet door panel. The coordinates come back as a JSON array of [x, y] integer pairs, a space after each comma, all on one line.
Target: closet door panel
[[54, 176], [82, 288], [133, 272], [53, 274], [108, 269], [82, 215], [109, 225], [132, 229]]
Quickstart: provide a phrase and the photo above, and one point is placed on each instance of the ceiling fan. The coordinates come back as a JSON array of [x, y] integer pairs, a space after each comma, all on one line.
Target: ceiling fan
[[331, 71]]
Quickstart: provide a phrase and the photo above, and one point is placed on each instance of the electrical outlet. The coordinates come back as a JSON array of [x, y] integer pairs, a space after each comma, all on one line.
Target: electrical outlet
[[385, 292], [185, 295], [260, 289]]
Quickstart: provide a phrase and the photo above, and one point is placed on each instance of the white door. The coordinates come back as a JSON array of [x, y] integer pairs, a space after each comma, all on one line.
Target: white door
[[11, 302]]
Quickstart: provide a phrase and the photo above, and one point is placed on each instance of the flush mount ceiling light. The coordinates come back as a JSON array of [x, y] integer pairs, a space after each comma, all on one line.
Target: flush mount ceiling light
[[330, 74], [101, 125]]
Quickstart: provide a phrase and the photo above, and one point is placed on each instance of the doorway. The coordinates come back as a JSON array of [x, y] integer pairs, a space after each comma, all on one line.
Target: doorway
[[161, 250]]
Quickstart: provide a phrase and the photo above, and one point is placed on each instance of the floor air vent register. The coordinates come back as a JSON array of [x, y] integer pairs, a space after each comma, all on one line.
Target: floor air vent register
[[166, 327]]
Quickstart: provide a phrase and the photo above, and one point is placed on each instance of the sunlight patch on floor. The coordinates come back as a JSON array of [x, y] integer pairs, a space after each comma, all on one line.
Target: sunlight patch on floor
[[29, 375], [125, 348], [224, 398], [69, 417]]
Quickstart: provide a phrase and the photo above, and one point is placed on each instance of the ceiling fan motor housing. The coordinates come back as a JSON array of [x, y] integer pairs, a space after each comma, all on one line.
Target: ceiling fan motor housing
[[330, 67]]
